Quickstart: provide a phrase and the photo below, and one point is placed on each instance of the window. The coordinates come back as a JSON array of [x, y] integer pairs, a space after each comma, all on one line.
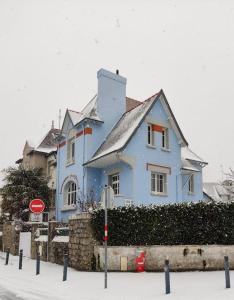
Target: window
[[159, 183], [70, 193], [45, 217], [165, 138], [191, 184], [150, 136], [71, 151], [128, 202], [114, 182]]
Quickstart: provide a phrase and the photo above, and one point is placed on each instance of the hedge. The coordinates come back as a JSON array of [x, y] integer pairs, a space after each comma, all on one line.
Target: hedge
[[175, 224]]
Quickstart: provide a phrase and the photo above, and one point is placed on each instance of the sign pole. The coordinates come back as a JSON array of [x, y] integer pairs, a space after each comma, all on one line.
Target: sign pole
[[106, 236]]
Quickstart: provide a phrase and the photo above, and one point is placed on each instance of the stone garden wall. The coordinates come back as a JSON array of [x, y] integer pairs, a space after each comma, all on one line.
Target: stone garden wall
[[85, 254], [1, 245], [50, 248], [181, 258], [10, 238], [81, 243]]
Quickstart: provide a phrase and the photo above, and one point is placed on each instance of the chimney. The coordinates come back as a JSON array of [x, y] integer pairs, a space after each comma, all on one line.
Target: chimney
[[111, 97]]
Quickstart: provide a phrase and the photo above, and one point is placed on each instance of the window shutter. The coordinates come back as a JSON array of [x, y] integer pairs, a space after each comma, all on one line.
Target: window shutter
[[158, 169]]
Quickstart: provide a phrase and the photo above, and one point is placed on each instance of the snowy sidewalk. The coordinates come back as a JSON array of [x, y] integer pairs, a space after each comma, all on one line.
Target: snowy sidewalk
[[24, 284]]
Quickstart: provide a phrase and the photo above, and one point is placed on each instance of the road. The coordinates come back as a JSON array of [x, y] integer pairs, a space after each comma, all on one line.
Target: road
[[8, 295]]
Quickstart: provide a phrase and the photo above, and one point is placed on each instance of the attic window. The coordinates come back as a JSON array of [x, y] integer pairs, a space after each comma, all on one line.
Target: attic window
[[165, 138], [150, 135], [71, 151]]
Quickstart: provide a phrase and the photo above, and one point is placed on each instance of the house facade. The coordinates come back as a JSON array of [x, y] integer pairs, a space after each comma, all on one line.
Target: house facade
[[42, 155], [135, 147]]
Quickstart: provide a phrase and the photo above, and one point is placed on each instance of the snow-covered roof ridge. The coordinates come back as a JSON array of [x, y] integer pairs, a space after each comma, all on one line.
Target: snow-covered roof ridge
[[188, 154], [88, 112], [124, 129], [49, 139], [48, 143]]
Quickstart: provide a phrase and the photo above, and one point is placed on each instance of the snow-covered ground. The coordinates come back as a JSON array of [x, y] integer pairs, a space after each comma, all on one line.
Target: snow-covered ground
[[24, 284]]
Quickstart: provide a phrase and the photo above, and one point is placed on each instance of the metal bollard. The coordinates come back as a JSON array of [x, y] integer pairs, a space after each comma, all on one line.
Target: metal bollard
[[167, 276], [38, 260], [7, 256], [20, 259], [227, 273], [65, 264]]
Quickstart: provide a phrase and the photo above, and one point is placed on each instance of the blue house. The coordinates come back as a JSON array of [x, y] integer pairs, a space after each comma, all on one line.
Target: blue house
[[135, 147]]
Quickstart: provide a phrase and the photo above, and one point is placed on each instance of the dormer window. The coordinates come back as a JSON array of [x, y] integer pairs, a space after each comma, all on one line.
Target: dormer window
[[165, 138], [150, 135], [71, 151]]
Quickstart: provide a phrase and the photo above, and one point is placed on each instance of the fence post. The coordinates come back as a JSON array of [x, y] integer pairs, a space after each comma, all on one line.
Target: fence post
[[167, 276], [7, 256], [20, 259], [65, 264], [227, 274], [38, 263]]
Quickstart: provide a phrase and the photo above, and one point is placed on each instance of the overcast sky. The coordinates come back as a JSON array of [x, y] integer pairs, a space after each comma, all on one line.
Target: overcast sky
[[50, 51]]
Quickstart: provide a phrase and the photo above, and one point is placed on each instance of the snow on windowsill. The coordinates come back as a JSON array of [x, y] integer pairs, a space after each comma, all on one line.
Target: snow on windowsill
[[69, 207], [191, 193], [159, 194], [150, 146], [70, 163], [61, 239], [165, 149], [42, 238]]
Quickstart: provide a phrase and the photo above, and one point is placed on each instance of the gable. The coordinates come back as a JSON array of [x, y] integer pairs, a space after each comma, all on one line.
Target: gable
[[172, 120], [126, 127], [67, 124]]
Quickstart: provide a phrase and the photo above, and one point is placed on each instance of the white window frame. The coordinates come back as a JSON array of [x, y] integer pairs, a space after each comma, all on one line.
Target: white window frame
[[70, 193], [71, 151], [191, 184], [165, 138], [115, 183], [128, 202], [159, 183], [150, 135]]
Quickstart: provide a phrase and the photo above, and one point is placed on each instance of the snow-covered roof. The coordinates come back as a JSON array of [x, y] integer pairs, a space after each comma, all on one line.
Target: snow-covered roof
[[188, 154], [215, 190], [128, 124], [42, 238], [48, 143], [89, 112], [61, 239], [124, 129], [186, 165], [45, 150]]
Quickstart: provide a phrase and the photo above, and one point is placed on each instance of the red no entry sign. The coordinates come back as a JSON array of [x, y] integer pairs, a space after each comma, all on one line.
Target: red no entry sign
[[37, 206]]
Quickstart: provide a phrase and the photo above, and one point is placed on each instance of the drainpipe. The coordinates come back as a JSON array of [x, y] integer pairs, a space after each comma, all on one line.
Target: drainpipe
[[83, 183], [177, 188], [57, 184]]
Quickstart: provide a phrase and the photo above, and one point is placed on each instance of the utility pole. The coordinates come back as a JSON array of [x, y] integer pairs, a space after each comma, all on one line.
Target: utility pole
[[106, 234]]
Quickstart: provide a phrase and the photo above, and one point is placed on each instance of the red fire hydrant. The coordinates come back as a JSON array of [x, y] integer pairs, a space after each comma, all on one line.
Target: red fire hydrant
[[140, 262]]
